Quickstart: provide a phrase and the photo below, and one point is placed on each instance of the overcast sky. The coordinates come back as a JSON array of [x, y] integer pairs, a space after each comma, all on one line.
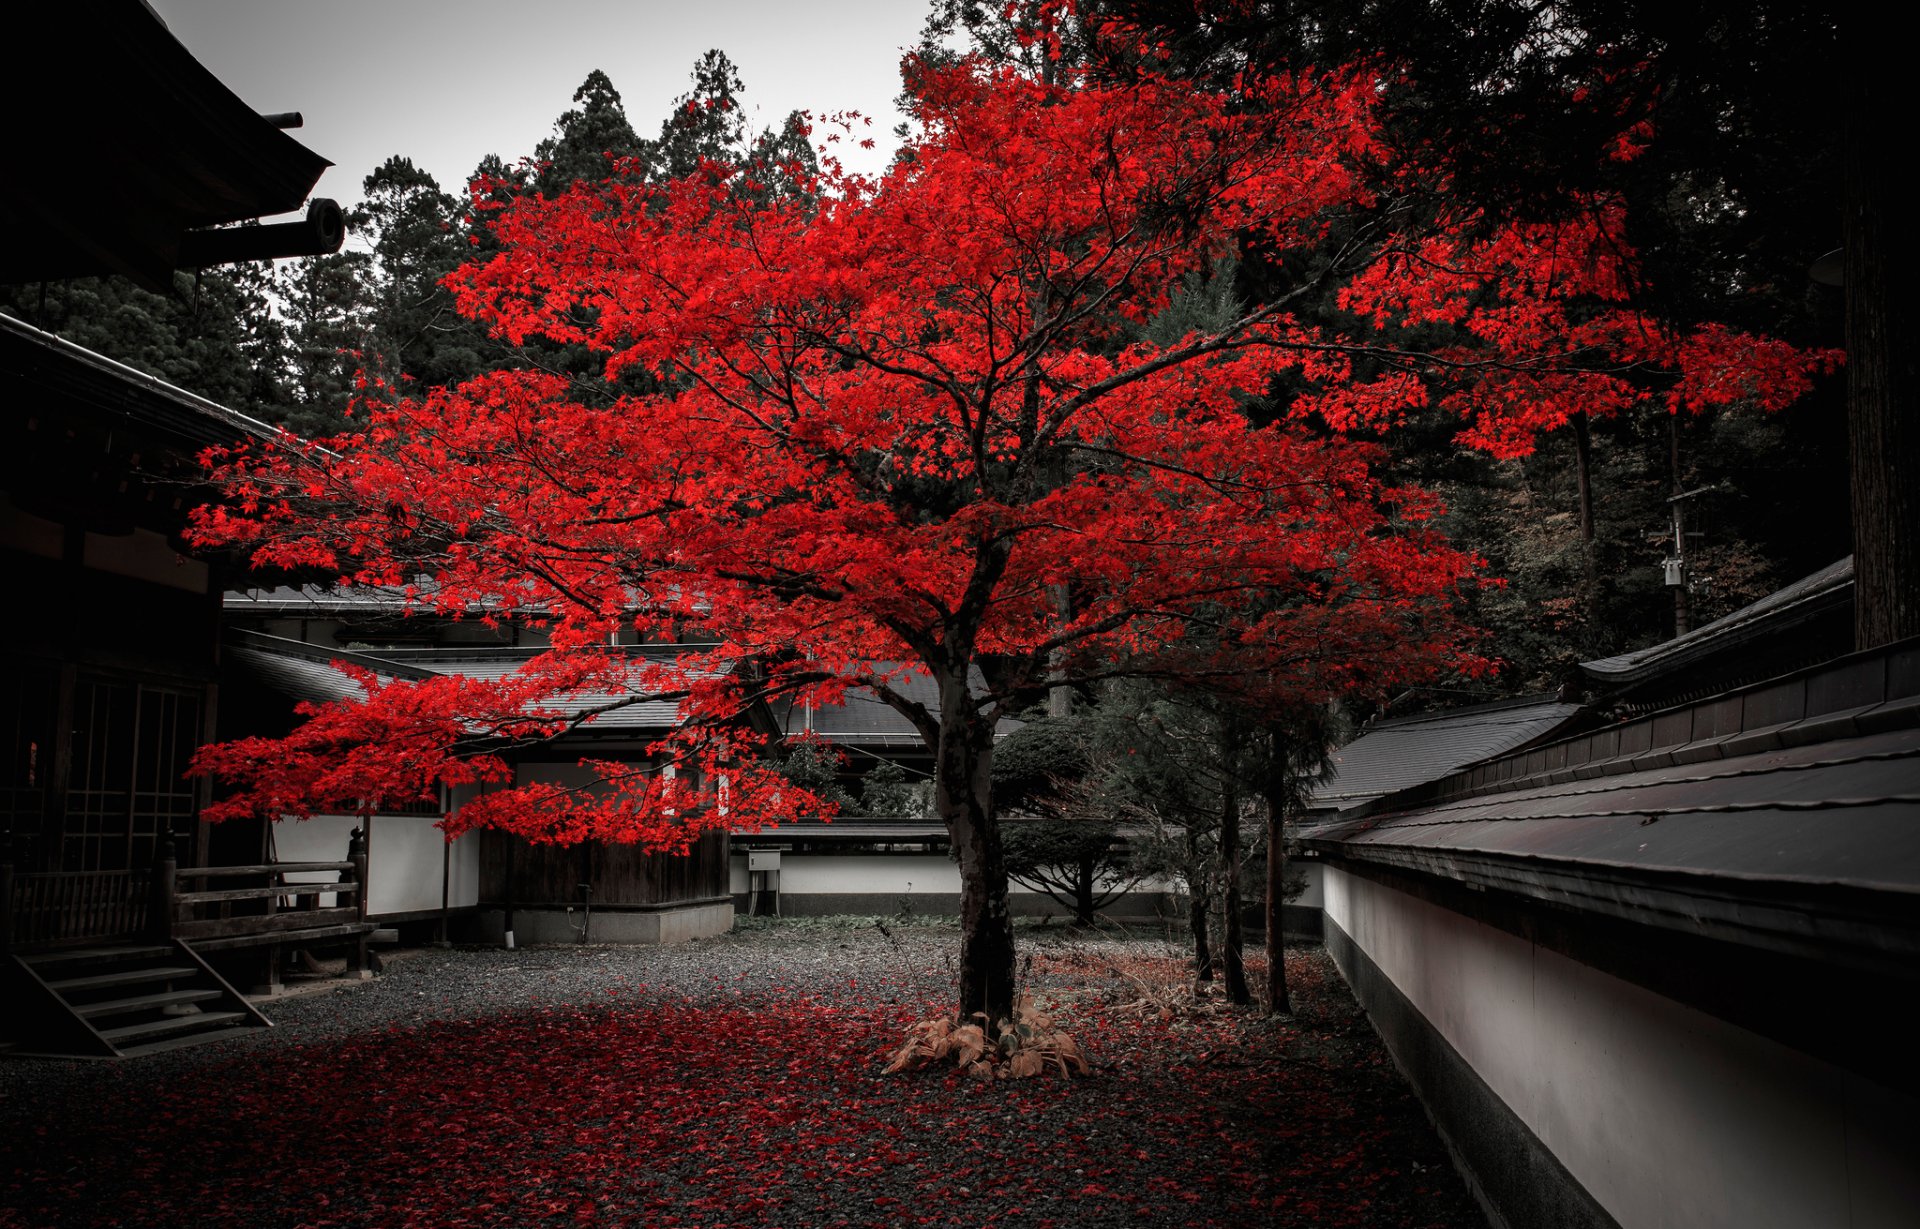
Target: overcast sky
[[446, 83]]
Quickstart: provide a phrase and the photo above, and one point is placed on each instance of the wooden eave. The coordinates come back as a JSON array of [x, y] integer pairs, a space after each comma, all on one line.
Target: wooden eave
[[122, 142]]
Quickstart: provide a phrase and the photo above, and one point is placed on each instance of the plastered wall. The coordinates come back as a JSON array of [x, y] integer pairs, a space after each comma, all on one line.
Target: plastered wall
[[1669, 1117], [818, 874], [404, 860]]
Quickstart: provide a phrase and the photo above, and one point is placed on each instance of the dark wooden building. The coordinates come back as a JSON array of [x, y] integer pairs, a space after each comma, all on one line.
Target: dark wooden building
[[109, 909], [116, 904]]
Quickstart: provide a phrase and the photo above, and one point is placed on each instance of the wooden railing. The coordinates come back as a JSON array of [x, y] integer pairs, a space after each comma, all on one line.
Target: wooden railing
[[57, 908], [60, 907], [268, 900]]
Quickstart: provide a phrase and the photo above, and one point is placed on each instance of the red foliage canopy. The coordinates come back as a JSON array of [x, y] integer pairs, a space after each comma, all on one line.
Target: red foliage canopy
[[915, 419]]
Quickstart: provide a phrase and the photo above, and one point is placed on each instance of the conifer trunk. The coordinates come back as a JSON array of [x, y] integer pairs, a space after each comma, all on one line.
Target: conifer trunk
[[1590, 603], [1231, 940], [1277, 791], [1197, 911], [1883, 359], [1583, 476]]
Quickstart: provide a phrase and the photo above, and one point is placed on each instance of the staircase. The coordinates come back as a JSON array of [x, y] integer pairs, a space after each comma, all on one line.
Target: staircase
[[124, 1000]]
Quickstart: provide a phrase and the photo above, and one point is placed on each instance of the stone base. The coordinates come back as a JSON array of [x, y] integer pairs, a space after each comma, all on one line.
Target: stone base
[[549, 925]]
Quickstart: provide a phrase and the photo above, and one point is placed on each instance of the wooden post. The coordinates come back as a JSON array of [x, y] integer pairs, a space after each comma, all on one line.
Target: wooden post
[[166, 872], [446, 876], [357, 854], [509, 892]]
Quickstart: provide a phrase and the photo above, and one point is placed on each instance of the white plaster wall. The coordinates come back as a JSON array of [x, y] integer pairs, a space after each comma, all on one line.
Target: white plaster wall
[[896, 874], [1671, 1118], [533, 927], [404, 860], [887, 874], [892, 874]]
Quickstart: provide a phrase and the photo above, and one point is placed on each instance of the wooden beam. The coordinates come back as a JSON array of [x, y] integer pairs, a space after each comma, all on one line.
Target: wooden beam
[[278, 923]]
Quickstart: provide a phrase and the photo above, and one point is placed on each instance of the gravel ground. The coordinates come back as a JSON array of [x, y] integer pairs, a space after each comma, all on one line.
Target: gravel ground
[[735, 1081]]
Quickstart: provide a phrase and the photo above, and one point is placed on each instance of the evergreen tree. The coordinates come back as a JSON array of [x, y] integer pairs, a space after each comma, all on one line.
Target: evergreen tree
[[885, 790], [786, 161], [262, 339], [586, 139], [327, 302], [1717, 128], [706, 123], [212, 334], [413, 227]]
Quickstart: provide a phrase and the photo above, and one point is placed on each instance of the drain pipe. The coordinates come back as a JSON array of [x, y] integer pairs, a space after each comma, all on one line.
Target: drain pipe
[[509, 900]]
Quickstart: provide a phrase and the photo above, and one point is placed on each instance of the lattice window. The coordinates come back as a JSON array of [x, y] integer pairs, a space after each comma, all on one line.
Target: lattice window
[[127, 785]]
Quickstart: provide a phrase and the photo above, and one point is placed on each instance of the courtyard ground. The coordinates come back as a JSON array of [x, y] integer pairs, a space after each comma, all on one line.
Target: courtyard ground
[[736, 1081]]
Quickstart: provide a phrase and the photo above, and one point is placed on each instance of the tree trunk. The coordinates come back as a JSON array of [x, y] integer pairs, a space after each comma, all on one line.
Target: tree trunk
[[1278, 791], [1583, 476], [1883, 435], [1059, 694], [1083, 893], [1197, 910], [1231, 942], [1589, 557], [963, 796]]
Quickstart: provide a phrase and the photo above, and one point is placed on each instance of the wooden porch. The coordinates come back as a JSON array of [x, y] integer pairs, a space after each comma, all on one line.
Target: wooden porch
[[113, 963]]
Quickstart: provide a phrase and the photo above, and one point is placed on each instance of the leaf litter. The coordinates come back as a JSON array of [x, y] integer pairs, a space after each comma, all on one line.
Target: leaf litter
[[742, 1081]]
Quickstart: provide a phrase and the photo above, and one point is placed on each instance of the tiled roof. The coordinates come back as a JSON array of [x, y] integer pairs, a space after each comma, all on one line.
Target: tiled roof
[[353, 599], [305, 672], [302, 676], [318, 599], [1777, 612], [1748, 815], [309, 598], [42, 362], [863, 718], [1788, 810], [1407, 751]]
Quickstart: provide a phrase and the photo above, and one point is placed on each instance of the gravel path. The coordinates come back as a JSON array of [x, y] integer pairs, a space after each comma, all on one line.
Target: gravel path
[[734, 1081]]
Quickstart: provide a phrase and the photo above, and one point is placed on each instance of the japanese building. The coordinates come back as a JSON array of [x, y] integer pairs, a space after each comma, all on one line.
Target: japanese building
[[112, 641]]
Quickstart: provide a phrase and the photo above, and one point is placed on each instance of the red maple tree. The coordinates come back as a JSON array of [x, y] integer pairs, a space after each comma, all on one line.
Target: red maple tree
[[913, 423]]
